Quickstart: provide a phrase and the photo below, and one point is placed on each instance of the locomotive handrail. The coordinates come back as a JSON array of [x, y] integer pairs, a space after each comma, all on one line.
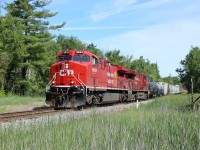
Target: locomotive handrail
[[54, 77], [79, 80]]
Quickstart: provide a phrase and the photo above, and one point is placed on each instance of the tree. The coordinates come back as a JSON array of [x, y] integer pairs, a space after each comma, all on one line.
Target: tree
[[71, 42], [31, 17], [141, 65], [171, 80], [190, 69], [42, 72], [93, 49], [127, 62], [115, 58], [3, 67], [146, 67], [11, 52]]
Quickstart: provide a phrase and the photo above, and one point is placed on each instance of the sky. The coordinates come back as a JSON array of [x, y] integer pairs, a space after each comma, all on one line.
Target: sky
[[162, 31]]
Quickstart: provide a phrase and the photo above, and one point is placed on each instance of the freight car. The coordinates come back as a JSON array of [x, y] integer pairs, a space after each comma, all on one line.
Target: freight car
[[80, 78], [163, 88], [170, 88], [155, 89]]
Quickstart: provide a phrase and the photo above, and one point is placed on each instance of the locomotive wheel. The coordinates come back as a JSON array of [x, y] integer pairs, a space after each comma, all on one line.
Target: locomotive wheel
[[89, 100]]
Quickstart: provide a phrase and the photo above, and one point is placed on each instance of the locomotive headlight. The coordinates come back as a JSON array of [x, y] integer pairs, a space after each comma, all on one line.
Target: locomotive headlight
[[66, 65], [54, 82], [72, 82]]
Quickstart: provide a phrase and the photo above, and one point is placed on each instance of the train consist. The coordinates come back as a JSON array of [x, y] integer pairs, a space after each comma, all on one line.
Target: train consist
[[163, 88], [80, 78]]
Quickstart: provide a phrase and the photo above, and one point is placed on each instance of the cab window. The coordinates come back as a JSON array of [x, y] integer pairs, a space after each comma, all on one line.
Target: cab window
[[62, 58], [77, 58], [85, 58], [81, 58]]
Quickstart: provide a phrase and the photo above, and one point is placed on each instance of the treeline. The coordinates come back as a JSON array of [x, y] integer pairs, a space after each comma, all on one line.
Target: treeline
[[28, 49]]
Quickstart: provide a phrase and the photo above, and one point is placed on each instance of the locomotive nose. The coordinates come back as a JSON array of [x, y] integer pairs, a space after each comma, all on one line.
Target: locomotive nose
[[62, 73]]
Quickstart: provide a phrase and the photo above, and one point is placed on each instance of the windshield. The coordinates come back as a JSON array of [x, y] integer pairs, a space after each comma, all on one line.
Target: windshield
[[81, 58], [62, 58]]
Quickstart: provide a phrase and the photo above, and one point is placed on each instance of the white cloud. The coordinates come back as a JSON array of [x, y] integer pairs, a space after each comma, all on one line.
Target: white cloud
[[166, 44], [124, 3], [96, 28], [108, 9]]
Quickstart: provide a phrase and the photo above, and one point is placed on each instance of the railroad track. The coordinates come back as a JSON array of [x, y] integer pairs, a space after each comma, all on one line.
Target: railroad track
[[13, 116], [6, 117]]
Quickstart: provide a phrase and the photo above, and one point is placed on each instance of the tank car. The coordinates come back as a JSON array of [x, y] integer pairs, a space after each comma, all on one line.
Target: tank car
[[160, 89], [153, 89], [80, 78]]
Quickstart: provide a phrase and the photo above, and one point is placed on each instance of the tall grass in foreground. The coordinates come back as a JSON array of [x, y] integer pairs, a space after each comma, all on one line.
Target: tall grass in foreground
[[162, 124]]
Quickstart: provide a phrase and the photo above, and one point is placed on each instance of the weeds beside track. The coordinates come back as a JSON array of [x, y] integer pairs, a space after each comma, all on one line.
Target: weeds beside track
[[163, 124]]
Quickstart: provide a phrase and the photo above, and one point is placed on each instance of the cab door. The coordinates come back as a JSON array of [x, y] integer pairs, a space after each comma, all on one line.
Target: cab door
[[94, 70]]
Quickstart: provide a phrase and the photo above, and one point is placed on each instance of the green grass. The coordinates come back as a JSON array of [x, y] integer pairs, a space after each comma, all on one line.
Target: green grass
[[18, 103], [19, 100], [163, 124]]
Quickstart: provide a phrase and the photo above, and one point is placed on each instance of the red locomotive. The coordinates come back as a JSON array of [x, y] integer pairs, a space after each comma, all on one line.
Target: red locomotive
[[80, 78]]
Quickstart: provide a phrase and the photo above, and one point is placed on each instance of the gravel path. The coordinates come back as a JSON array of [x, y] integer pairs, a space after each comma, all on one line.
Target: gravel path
[[25, 123]]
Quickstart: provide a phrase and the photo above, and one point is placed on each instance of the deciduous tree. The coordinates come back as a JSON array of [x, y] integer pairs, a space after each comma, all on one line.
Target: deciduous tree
[[93, 49], [70, 42], [191, 69], [145, 66], [115, 57]]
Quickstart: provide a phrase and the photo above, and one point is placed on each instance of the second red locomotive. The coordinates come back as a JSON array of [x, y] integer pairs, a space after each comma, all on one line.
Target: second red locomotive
[[81, 78]]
